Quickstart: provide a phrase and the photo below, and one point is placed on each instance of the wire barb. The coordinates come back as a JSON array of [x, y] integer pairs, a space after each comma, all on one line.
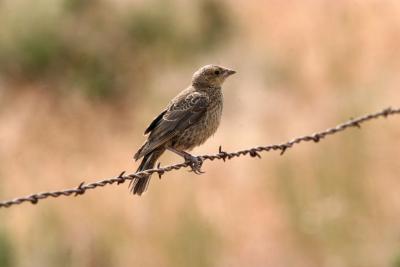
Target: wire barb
[[161, 171], [80, 190], [222, 155], [283, 149], [253, 153], [120, 178]]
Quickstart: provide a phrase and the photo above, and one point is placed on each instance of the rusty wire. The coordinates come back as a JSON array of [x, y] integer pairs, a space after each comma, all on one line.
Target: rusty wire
[[221, 155]]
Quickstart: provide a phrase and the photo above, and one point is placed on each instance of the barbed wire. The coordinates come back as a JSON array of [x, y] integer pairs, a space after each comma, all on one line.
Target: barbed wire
[[221, 155]]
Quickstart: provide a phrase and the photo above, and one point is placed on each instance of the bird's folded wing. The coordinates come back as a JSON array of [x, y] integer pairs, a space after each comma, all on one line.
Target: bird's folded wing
[[177, 118]]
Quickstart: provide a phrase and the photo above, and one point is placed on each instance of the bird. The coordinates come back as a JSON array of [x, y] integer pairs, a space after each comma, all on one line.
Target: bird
[[188, 121]]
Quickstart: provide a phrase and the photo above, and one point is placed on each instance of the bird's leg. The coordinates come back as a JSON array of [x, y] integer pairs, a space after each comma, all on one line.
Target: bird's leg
[[194, 162]]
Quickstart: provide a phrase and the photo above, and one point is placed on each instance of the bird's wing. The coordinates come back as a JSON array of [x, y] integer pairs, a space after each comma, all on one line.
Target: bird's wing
[[179, 116], [186, 112], [155, 122]]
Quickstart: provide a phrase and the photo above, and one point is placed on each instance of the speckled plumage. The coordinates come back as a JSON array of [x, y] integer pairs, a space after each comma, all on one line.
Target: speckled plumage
[[188, 121], [205, 127]]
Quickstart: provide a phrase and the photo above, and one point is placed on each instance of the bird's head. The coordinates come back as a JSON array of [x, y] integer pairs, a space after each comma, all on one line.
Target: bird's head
[[211, 76]]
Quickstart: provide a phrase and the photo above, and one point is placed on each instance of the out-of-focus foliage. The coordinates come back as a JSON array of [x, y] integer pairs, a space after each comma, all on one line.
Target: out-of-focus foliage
[[100, 50], [6, 250], [192, 239]]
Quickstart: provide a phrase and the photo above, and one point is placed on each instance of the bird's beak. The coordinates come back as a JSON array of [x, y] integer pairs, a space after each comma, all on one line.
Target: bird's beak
[[229, 72]]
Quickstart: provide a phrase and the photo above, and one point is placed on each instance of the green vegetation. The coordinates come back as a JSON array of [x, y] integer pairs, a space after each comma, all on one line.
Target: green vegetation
[[6, 251], [97, 50], [193, 243]]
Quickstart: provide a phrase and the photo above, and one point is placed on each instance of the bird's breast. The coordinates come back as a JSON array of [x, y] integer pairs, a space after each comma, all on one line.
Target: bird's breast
[[207, 125]]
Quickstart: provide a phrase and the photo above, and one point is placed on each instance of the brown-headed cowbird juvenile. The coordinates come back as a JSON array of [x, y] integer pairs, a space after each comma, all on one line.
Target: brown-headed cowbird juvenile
[[188, 121]]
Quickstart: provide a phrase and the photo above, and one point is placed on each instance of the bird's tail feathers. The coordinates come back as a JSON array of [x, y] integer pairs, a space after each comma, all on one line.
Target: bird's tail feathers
[[139, 185], [138, 154]]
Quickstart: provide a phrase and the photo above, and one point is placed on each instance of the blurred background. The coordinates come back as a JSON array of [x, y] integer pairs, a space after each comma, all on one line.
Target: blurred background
[[80, 80]]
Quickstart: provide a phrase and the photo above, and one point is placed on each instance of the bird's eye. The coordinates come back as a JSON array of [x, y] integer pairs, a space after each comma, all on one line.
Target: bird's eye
[[217, 72]]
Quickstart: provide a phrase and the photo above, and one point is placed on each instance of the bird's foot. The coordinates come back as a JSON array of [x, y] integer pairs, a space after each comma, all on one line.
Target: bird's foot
[[195, 163]]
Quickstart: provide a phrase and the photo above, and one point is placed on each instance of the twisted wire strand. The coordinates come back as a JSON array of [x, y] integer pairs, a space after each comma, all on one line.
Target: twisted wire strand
[[82, 188]]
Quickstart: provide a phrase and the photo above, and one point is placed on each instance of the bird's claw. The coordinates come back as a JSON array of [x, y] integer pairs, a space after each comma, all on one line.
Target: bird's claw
[[195, 163]]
